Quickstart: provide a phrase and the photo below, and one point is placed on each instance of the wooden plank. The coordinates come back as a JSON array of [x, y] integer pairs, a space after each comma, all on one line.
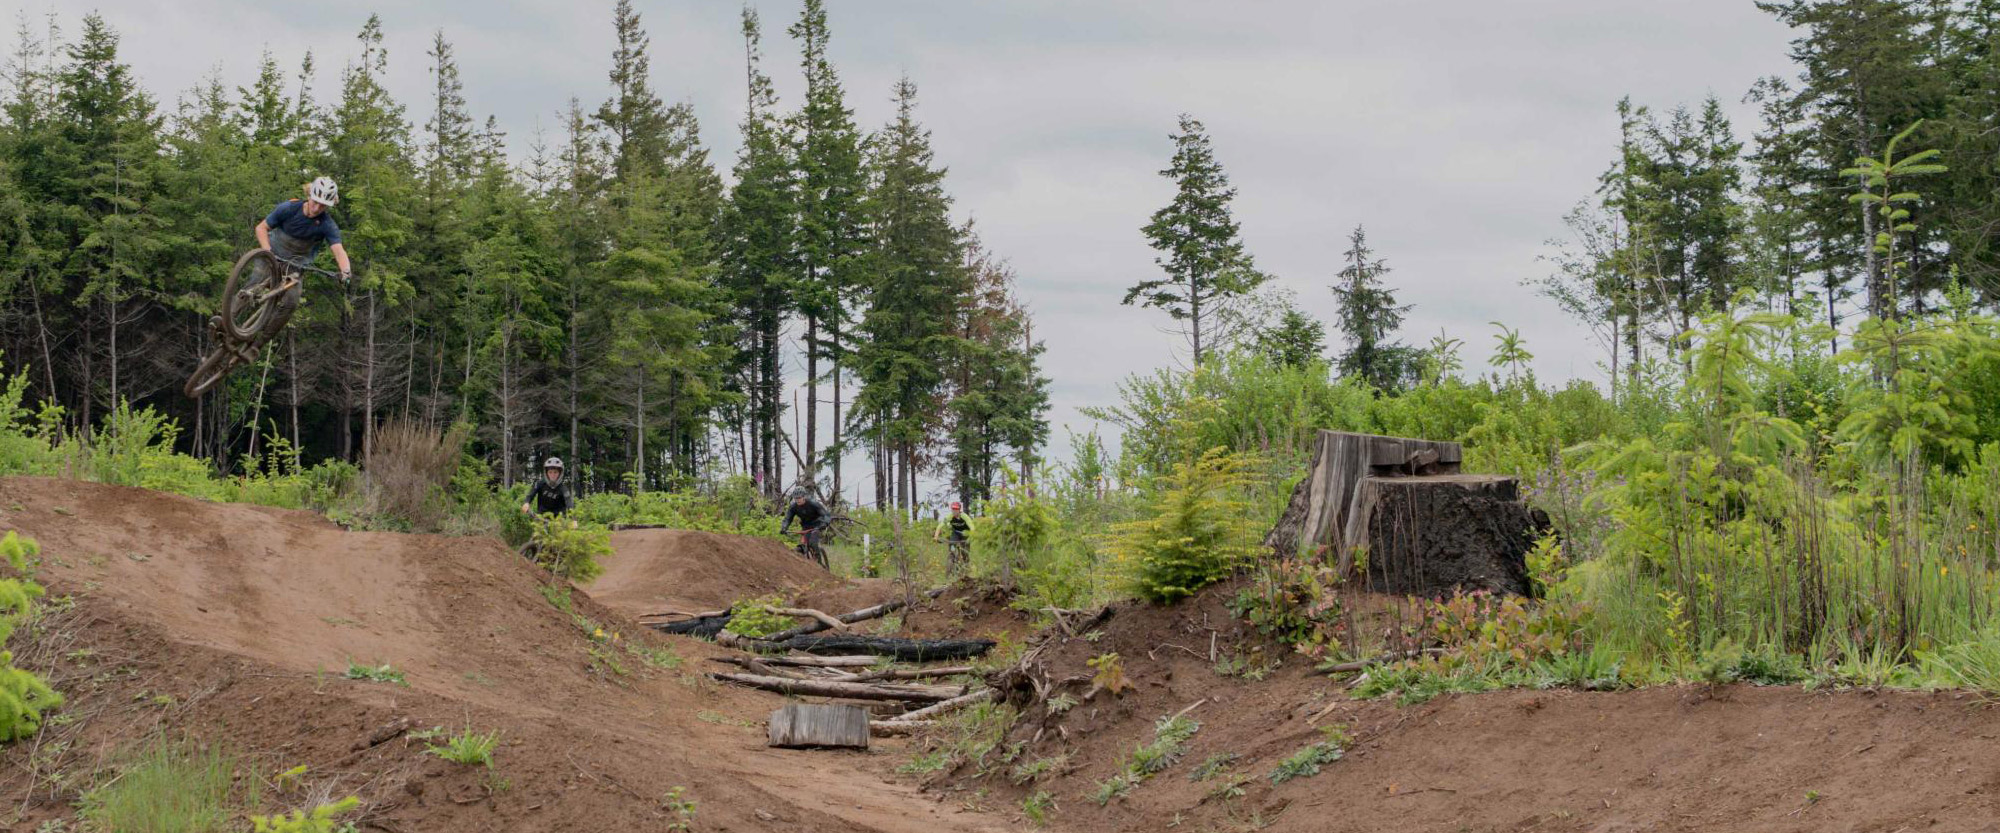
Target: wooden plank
[[807, 725]]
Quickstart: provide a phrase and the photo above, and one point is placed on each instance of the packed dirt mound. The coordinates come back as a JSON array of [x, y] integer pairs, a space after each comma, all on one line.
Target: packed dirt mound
[[658, 570], [1675, 758], [234, 626]]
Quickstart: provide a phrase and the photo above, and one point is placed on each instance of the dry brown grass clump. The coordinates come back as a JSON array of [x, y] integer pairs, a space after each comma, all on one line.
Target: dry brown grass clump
[[409, 469]]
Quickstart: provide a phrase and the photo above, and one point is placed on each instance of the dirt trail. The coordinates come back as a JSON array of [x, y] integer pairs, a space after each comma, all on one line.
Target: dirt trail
[[658, 570], [234, 624]]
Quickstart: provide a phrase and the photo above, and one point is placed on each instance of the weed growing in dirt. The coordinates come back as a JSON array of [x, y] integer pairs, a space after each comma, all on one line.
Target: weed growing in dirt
[[1308, 761], [1061, 703], [1213, 765], [1037, 807], [166, 787], [972, 736], [23, 696], [467, 747], [383, 673], [682, 808], [1110, 674], [319, 820], [558, 597], [753, 617], [1039, 768], [1169, 743], [1251, 665]]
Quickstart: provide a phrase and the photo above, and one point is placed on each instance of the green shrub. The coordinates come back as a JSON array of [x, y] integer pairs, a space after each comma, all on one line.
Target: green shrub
[[320, 820], [753, 617], [570, 549], [1203, 530], [23, 696], [165, 788]]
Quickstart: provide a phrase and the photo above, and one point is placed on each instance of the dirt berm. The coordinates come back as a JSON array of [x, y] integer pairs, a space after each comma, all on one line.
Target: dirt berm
[[232, 626]]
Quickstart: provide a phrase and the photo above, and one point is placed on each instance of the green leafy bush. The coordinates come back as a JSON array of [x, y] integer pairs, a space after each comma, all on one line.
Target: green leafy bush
[[570, 549], [753, 617], [1202, 532]]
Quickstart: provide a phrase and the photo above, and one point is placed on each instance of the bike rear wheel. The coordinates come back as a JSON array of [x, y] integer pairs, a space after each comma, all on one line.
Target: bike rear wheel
[[211, 370], [249, 297]]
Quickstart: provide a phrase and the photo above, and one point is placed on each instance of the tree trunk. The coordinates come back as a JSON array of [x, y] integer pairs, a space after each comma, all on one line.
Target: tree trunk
[[811, 475], [368, 384]]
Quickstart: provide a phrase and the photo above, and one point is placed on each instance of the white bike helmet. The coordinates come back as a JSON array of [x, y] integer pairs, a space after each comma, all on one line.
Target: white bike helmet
[[323, 191], [553, 463]]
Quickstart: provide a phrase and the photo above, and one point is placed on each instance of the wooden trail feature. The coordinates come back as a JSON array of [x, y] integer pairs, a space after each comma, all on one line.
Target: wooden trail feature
[[807, 725]]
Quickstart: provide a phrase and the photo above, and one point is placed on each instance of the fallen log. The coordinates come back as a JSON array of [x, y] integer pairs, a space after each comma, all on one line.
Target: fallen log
[[703, 626], [844, 690], [908, 673], [946, 707], [862, 615], [809, 613], [897, 728], [906, 650], [826, 662]]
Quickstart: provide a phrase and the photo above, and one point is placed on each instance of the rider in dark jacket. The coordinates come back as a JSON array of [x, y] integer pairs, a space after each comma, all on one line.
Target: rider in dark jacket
[[550, 496], [812, 515]]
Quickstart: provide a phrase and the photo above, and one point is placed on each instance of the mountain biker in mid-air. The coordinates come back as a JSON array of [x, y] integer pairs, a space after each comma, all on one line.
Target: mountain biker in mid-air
[[958, 528], [813, 519], [550, 496], [294, 230]]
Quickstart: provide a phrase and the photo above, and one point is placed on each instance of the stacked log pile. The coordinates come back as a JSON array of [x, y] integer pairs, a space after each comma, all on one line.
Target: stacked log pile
[[845, 666]]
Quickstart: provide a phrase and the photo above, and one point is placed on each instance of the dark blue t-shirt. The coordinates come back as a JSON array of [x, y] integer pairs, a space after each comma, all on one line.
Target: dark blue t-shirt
[[290, 218]]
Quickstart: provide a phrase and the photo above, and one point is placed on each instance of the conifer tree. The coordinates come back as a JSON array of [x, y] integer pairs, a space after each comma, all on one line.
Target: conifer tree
[[1199, 242], [919, 280], [1369, 316], [831, 228], [760, 244]]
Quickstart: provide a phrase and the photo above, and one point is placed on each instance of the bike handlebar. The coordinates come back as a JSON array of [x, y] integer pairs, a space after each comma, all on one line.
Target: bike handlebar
[[303, 266]]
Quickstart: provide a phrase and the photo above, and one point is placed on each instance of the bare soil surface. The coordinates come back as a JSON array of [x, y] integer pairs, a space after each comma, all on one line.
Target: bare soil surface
[[1686, 758], [232, 626], [658, 570]]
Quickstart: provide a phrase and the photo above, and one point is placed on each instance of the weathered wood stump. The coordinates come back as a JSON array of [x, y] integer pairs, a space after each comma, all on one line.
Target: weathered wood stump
[[1397, 514], [1428, 536], [803, 725]]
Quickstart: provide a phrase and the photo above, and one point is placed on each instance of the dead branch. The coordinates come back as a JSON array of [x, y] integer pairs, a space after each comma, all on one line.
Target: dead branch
[[809, 613]]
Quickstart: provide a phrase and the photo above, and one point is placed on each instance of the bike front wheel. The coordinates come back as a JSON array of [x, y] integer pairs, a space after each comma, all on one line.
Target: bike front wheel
[[249, 299], [209, 372]]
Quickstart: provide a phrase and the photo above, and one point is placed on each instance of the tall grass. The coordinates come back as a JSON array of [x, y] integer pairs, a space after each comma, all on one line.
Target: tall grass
[[165, 787]]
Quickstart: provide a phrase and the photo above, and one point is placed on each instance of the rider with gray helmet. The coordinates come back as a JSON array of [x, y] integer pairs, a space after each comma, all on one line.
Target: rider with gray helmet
[[550, 495]]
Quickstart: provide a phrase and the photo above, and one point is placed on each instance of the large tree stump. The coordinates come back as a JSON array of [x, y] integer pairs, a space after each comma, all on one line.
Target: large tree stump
[[1322, 502], [1429, 536], [1401, 508]]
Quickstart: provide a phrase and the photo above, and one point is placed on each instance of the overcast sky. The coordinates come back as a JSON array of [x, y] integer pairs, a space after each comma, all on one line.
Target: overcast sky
[[1458, 131]]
